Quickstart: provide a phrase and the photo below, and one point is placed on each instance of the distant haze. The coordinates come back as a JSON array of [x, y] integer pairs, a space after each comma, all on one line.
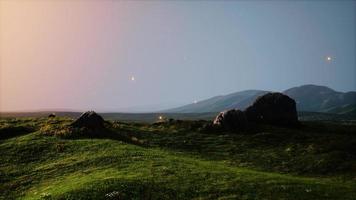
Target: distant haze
[[152, 55]]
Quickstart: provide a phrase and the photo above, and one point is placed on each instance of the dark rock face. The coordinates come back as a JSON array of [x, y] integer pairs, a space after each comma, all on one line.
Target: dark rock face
[[273, 108], [89, 120], [231, 120]]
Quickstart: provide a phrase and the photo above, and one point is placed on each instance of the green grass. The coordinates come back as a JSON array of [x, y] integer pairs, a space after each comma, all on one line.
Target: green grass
[[177, 161]]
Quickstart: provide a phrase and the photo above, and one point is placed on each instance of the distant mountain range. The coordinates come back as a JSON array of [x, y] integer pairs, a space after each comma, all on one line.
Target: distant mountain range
[[311, 98]]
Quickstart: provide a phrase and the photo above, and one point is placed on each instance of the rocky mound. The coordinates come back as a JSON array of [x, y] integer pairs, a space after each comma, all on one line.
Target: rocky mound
[[273, 108], [231, 119], [90, 120]]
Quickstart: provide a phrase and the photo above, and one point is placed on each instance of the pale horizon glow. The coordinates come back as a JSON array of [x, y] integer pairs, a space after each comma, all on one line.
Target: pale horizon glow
[[140, 56]]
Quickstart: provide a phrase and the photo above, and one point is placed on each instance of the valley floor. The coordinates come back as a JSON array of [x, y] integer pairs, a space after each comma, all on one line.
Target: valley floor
[[178, 161]]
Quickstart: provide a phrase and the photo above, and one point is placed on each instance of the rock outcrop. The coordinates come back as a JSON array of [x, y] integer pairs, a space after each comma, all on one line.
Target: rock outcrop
[[273, 108], [90, 120], [231, 120]]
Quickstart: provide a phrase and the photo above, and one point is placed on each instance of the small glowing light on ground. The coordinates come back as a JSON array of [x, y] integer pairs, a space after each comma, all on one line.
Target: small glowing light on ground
[[132, 78], [160, 117]]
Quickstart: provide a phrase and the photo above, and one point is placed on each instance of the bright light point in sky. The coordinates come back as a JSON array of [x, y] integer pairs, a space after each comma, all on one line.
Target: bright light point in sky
[[328, 58], [195, 101], [132, 78]]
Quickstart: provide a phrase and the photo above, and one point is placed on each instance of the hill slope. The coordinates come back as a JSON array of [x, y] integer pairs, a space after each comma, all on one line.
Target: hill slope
[[322, 99], [310, 98], [176, 165], [216, 104]]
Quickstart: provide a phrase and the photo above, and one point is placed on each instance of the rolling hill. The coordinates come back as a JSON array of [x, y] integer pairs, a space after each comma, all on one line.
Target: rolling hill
[[176, 160], [311, 98], [323, 99], [218, 103]]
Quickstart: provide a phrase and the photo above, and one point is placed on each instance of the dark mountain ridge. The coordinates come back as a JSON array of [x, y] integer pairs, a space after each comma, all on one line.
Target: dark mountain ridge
[[311, 98], [321, 99]]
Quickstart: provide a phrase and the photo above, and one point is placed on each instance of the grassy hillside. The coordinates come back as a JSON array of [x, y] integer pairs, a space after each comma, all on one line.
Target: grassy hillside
[[346, 109], [178, 160]]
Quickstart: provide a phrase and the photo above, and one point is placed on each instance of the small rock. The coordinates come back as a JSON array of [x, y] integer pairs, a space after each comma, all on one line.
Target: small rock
[[231, 120]]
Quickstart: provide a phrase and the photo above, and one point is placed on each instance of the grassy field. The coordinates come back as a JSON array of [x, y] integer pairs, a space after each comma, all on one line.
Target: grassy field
[[177, 160], [152, 117]]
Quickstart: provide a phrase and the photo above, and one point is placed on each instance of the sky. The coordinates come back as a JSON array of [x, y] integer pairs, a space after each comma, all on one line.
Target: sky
[[127, 56]]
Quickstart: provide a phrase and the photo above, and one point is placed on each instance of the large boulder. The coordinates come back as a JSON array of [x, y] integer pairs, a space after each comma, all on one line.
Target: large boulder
[[273, 108], [231, 120], [90, 120]]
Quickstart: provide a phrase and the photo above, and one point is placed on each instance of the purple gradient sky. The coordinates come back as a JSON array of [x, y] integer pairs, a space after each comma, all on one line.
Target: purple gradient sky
[[80, 55]]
